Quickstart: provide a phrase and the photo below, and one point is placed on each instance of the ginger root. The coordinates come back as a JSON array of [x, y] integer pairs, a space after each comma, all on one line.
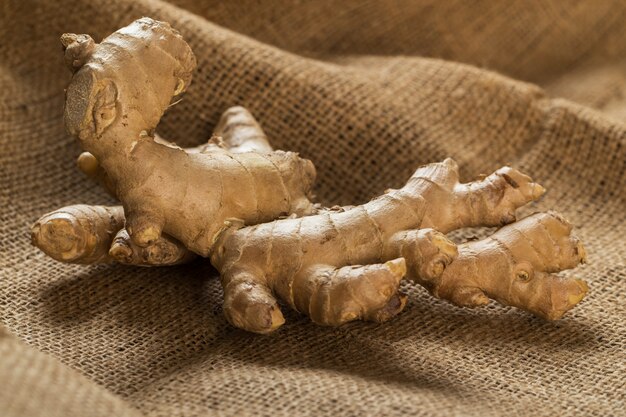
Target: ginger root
[[341, 266], [113, 105], [95, 234], [248, 208]]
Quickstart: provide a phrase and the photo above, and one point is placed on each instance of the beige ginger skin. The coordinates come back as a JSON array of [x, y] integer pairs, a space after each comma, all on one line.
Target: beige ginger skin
[[247, 208]]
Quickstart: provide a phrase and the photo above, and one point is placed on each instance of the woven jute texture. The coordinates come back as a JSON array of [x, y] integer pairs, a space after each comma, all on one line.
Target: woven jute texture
[[368, 90]]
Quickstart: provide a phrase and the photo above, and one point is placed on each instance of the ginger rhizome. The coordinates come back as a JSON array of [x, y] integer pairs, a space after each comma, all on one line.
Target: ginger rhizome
[[341, 266], [248, 208], [113, 105], [95, 234]]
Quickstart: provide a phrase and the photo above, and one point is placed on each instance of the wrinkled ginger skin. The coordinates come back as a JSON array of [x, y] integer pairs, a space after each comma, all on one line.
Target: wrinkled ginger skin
[[113, 105]]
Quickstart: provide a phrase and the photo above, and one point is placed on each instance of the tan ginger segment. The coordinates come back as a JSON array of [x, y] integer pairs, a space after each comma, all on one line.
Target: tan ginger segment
[[336, 266], [514, 266], [237, 132], [162, 252], [333, 296], [85, 234], [78, 49], [78, 234], [113, 105], [490, 201], [268, 186], [242, 133], [429, 253]]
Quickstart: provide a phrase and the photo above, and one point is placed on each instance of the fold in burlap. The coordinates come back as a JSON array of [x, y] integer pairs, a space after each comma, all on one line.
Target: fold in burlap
[[368, 91]]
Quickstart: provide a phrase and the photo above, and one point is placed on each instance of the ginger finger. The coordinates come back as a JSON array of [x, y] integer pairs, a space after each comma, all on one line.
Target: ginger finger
[[333, 296], [250, 304], [241, 132], [237, 132], [490, 201], [78, 49], [164, 251], [85, 234], [78, 234], [90, 166], [427, 251], [514, 265]]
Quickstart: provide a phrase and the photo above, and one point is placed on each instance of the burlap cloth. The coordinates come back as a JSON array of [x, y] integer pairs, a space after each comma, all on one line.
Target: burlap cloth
[[367, 90]]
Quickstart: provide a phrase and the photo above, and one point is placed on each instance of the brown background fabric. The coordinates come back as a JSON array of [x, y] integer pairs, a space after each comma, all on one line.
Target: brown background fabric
[[368, 90]]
